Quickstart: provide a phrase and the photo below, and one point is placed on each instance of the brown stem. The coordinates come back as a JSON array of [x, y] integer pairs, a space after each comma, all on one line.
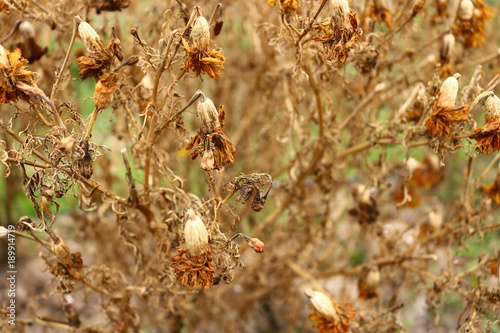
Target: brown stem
[[91, 124], [317, 96], [134, 198]]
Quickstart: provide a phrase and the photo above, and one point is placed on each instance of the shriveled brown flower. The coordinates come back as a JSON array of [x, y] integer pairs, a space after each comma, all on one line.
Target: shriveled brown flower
[[488, 136], [471, 21], [103, 94], [380, 10], [339, 34], [330, 316], [71, 268], [444, 113], [12, 73], [193, 271]]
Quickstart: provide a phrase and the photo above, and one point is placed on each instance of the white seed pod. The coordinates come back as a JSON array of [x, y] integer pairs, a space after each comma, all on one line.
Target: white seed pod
[[201, 34], [207, 160], [27, 30], [61, 251], [195, 234], [492, 109], [3, 232], [373, 278], [448, 45], [340, 12], [435, 219], [87, 34], [466, 10], [4, 58], [449, 91], [322, 303], [208, 115], [362, 194]]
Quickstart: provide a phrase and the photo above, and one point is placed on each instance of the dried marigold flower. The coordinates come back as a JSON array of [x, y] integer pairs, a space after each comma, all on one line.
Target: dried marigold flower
[[208, 61], [195, 234], [340, 33], [14, 76], [329, 315], [444, 113], [194, 271], [471, 22], [488, 136], [200, 34], [88, 35], [103, 94], [285, 4], [61, 251], [380, 10]]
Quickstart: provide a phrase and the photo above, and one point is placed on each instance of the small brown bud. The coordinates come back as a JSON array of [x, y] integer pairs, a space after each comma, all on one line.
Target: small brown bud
[[208, 115], [417, 7], [61, 251], [447, 46], [195, 234], [256, 244], [449, 91], [103, 94], [66, 144], [322, 303], [201, 34], [466, 10], [492, 109]]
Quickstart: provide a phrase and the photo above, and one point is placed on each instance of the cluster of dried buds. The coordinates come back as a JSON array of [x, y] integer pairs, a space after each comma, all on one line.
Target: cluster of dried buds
[[470, 23], [330, 316], [193, 264], [339, 34], [201, 58], [210, 142]]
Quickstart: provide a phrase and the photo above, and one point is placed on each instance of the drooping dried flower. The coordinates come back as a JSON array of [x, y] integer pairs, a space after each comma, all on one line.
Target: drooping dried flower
[[488, 136], [194, 271], [340, 33], [380, 10], [471, 21], [103, 94], [444, 113], [195, 234], [330, 316], [210, 142]]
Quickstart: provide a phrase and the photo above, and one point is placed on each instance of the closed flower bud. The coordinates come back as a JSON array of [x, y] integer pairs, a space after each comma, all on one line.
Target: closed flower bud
[[195, 234], [61, 251], [340, 12], [449, 91], [257, 245], [373, 278], [27, 30], [447, 47], [103, 94], [492, 109], [201, 34], [322, 303], [466, 10], [3, 232], [87, 33], [435, 219], [417, 7], [208, 115]]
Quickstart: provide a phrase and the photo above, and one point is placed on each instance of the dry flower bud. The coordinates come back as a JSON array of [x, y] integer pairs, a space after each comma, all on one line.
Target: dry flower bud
[[466, 10], [340, 11], [373, 278], [87, 34], [26, 29], [322, 303], [103, 94], [435, 219], [4, 58], [201, 34], [257, 245], [492, 109], [362, 194], [66, 144], [208, 115], [195, 234], [417, 7], [412, 164], [61, 251], [449, 91], [208, 160], [448, 45], [3, 232]]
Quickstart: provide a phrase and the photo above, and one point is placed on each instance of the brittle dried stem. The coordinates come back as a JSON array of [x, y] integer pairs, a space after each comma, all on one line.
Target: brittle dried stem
[[317, 95], [133, 197], [93, 118]]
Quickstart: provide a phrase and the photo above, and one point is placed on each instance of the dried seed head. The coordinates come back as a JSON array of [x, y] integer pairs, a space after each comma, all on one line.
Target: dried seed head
[[201, 34], [87, 33], [4, 58], [340, 12], [492, 109], [447, 47], [449, 91], [103, 94], [208, 115], [61, 251], [3, 232], [66, 144], [373, 278], [466, 10], [195, 234], [322, 303]]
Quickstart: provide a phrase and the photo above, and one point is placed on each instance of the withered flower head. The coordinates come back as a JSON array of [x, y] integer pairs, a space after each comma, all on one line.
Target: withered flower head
[[380, 10], [201, 33], [195, 234], [340, 33], [444, 113], [103, 94], [330, 316], [13, 75], [488, 136], [285, 4], [88, 35], [471, 22], [208, 115], [194, 271]]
